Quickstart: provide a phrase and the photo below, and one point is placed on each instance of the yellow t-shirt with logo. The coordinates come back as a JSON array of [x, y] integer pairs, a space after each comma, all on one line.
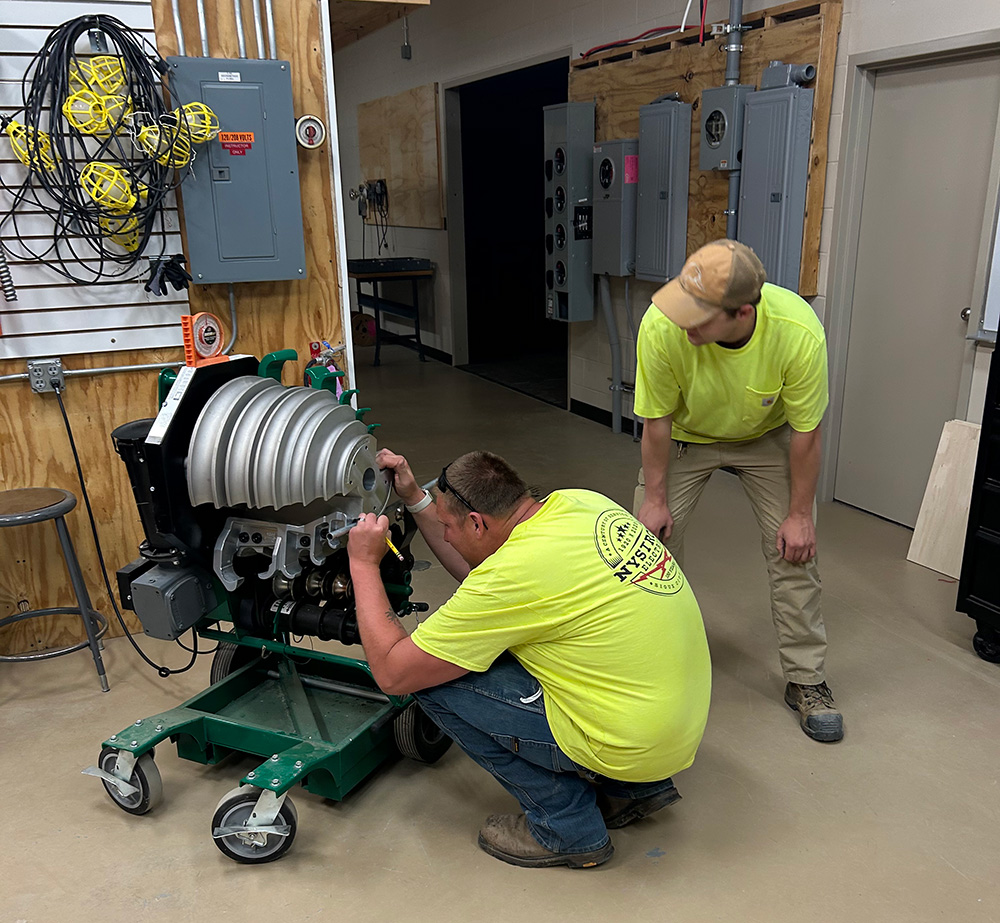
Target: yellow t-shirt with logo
[[595, 608], [729, 395]]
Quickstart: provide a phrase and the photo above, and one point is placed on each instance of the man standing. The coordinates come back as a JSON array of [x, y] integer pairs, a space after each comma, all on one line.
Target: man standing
[[571, 663], [732, 373]]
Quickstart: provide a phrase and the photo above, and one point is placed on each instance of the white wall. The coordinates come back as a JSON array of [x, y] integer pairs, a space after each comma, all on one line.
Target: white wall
[[456, 39]]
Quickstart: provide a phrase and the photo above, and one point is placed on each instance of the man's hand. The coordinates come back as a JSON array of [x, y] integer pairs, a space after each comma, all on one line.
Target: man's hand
[[656, 517], [797, 539], [404, 483], [366, 541]]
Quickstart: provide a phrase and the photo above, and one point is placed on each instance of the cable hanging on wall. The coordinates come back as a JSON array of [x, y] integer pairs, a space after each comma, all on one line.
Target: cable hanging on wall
[[102, 150]]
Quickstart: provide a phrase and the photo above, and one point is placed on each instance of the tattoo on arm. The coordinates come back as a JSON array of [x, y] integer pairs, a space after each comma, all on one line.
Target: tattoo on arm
[[393, 619]]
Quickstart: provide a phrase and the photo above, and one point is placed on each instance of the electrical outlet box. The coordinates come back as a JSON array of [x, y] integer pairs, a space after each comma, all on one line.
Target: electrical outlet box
[[616, 178], [42, 372], [568, 130], [721, 146], [241, 200], [662, 214]]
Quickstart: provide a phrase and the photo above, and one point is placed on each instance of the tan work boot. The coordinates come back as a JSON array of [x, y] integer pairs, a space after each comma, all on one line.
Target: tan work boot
[[507, 837], [818, 715]]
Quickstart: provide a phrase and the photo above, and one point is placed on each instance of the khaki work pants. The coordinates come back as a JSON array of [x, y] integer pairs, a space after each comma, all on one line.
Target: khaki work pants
[[762, 467]]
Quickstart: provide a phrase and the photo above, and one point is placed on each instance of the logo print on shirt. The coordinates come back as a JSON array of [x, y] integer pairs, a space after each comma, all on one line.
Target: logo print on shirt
[[634, 555]]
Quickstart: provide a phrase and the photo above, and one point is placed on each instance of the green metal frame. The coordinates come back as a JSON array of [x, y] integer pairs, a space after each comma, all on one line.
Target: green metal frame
[[327, 741]]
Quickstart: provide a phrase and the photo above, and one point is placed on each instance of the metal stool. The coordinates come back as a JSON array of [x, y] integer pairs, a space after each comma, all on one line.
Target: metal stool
[[36, 504]]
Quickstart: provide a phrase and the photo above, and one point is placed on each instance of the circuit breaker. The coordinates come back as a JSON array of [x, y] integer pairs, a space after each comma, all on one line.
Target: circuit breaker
[[568, 130], [662, 208], [721, 142], [242, 205], [615, 181], [776, 132]]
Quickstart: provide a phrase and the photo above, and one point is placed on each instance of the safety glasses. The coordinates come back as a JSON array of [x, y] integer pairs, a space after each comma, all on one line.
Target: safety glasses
[[444, 487]]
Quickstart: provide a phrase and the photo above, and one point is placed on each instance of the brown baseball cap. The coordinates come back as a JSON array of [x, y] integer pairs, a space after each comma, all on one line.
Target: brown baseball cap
[[722, 274]]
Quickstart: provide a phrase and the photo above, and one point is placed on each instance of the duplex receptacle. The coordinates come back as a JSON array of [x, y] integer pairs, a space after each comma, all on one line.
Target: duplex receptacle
[[42, 372]]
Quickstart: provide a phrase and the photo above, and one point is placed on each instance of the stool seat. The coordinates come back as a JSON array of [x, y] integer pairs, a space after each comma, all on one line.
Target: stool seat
[[25, 505]]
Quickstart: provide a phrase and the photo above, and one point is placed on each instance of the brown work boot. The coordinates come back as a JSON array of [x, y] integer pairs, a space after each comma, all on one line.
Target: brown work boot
[[507, 837], [818, 714], [620, 812]]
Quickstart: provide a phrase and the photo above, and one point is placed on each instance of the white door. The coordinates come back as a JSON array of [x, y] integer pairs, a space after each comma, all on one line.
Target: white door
[[932, 138]]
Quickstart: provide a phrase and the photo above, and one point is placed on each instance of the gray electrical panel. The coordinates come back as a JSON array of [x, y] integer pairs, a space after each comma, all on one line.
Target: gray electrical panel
[[569, 145], [242, 205], [615, 179], [722, 127], [776, 131], [662, 212]]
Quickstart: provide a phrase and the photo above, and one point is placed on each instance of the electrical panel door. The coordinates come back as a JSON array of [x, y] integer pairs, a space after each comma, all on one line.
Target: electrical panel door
[[615, 180], [242, 205], [662, 210], [569, 143], [776, 132]]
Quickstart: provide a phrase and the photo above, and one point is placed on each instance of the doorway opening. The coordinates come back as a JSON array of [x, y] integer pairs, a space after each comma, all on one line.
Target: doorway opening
[[510, 340]]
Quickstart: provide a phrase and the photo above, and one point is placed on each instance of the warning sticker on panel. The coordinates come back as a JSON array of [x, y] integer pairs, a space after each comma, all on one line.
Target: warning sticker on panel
[[236, 142], [230, 77]]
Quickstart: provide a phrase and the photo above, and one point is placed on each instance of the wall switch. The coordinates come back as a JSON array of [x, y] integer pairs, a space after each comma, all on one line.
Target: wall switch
[[42, 372]]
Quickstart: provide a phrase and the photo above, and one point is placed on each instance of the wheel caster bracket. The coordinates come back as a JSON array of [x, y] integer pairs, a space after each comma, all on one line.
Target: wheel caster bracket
[[251, 834]]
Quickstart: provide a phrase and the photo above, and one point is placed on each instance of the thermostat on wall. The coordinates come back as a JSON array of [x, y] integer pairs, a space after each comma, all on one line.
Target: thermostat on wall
[[310, 131]]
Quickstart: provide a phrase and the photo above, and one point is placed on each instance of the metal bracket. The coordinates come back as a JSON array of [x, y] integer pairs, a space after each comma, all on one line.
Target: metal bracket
[[728, 48], [126, 788], [251, 835]]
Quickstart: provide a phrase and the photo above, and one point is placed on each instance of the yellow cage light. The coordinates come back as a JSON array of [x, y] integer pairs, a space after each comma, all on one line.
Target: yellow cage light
[[108, 186], [86, 112], [107, 73], [170, 147], [198, 120], [119, 109], [31, 146], [122, 229]]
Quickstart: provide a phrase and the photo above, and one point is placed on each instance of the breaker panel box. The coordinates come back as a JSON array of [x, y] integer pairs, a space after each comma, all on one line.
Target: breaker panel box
[[615, 181], [722, 127], [568, 130], [776, 132], [662, 208], [242, 205]]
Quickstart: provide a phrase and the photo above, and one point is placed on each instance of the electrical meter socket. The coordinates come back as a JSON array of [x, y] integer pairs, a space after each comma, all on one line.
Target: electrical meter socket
[[721, 144]]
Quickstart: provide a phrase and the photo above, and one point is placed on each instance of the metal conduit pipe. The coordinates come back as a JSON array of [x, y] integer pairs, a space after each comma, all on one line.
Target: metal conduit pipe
[[733, 50], [616, 354], [240, 37], [178, 28], [273, 45], [258, 29], [203, 28], [635, 355]]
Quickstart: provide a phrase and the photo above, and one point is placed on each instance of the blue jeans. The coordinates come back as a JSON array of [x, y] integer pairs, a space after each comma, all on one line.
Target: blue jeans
[[498, 718]]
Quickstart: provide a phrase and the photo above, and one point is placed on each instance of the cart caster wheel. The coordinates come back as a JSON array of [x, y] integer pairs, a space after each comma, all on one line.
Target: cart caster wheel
[[418, 737], [229, 658], [986, 647], [250, 848], [145, 776]]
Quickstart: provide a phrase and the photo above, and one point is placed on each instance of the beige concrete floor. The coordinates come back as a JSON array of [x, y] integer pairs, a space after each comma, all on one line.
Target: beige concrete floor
[[898, 822]]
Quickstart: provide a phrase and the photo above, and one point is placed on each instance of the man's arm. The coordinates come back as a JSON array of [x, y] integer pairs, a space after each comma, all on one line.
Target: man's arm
[[654, 513], [797, 535], [406, 487], [397, 664]]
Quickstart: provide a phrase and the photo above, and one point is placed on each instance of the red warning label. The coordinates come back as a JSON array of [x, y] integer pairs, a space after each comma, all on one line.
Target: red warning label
[[236, 142]]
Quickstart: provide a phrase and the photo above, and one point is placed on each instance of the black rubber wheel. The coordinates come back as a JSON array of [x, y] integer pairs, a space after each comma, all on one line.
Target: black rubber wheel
[[986, 647], [234, 810], [145, 776], [418, 737], [229, 658]]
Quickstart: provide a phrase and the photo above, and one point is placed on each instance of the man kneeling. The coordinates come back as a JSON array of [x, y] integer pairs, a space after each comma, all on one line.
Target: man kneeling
[[571, 663]]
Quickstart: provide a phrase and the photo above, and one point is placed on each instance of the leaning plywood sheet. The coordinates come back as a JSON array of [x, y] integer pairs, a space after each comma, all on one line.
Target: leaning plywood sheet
[[623, 79], [939, 536], [399, 139]]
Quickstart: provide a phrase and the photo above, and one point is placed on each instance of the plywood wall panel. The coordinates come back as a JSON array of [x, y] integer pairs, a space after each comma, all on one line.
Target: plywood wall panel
[[399, 141], [621, 81]]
